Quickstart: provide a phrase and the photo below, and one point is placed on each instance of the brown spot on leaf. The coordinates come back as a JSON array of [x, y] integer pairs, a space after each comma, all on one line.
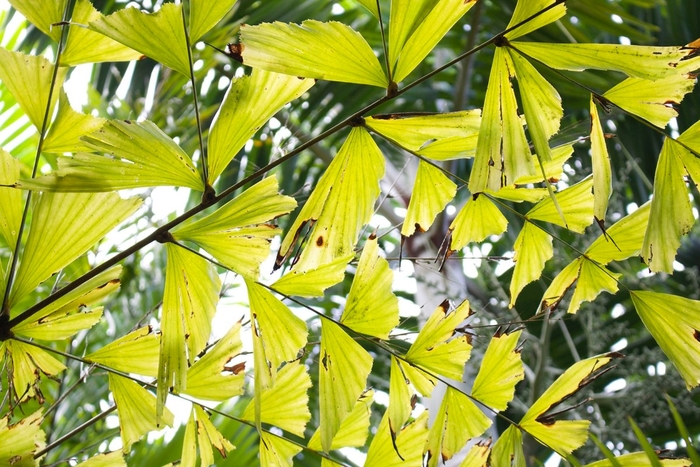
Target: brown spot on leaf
[[319, 240], [235, 369], [445, 305], [419, 228], [696, 335], [235, 51]]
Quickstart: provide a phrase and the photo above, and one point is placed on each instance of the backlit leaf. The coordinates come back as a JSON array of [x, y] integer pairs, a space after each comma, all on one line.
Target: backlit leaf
[[371, 5], [11, 204], [237, 234], [111, 459], [478, 455], [343, 371], [502, 151], [330, 51], [372, 308], [602, 173], [527, 8], [671, 213], [20, 441], [478, 219], [652, 100], [276, 451], [283, 334], [501, 369], [285, 404], [645, 62], [119, 353], [207, 436], [63, 227], [159, 35], [28, 363], [640, 459], [563, 436], [314, 282], [428, 32], [508, 449], [205, 14], [405, 17], [400, 395], [28, 78], [249, 102], [541, 103], [409, 443], [68, 127], [432, 191], [439, 348], [593, 279], [86, 46], [533, 248], [674, 322], [576, 203], [350, 185], [137, 410], [354, 430], [215, 376], [43, 14], [189, 302], [553, 169], [457, 421], [60, 324]]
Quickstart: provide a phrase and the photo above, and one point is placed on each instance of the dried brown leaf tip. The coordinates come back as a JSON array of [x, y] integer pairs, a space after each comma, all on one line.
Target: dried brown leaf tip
[[235, 51]]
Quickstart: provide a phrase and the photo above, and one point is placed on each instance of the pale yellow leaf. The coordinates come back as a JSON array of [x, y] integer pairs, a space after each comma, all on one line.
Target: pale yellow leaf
[[478, 455], [533, 248], [11, 204], [525, 9], [354, 430], [68, 127], [501, 369], [314, 282], [205, 14], [409, 444], [20, 441], [478, 219], [276, 451], [111, 459], [602, 173], [576, 203], [43, 14], [119, 353], [28, 364], [432, 191]]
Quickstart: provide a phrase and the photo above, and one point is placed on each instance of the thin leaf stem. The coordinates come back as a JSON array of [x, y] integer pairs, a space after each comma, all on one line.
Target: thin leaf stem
[[386, 49], [193, 81], [5, 308]]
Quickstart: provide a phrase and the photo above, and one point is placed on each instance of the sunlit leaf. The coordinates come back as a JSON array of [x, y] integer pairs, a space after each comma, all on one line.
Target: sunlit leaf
[[502, 151], [28, 363], [518, 195], [119, 353], [563, 436], [63, 227], [553, 169], [237, 234], [201, 429], [645, 62], [159, 35], [350, 185], [371, 5], [86, 46], [640, 459], [215, 376], [527, 8], [189, 303], [60, 324], [372, 308], [457, 421], [533, 248], [10, 199], [478, 455], [314, 282], [400, 395], [354, 430], [20, 441], [602, 173], [205, 14], [68, 127], [576, 203], [343, 371], [329, 51], [137, 410], [28, 78], [409, 443], [249, 102], [276, 451], [430, 29], [439, 347], [674, 322], [671, 213], [501, 369], [129, 164], [283, 334], [285, 404], [111, 459], [478, 219], [683, 431], [508, 449], [405, 17], [43, 14], [541, 103], [432, 191], [652, 100], [421, 380]]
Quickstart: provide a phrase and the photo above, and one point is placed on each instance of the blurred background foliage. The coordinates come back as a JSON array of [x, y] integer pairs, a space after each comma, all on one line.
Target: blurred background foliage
[[144, 89]]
